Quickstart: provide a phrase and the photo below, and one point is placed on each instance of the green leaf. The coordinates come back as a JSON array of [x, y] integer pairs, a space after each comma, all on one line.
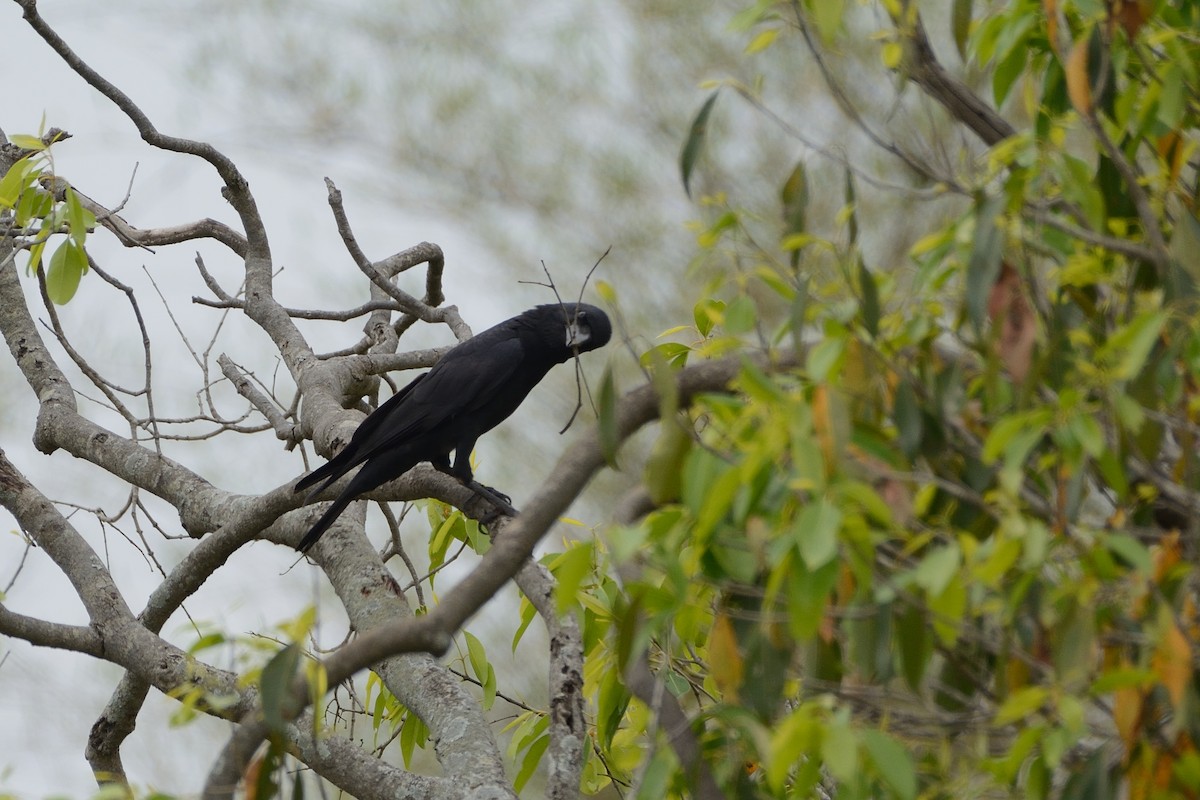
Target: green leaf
[[808, 595], [740, 315], [936, 569], [700, 471], [297, 787], [1007, 72], [794, 197], [451, 528], [276, 680], [947, 610], [906, 414], [852, 205], [77, 222], [960, 25], [870, 299], [265, 785], [983, 267], [816, 533], [695, 142], [892, 762], [1131, 551], [656, 778], [484, 672], [1172, 101], [706, 313], [1001, 438], [207, 641], [476, 655], [675, 353], [764, 39], [26, 142], [15, 181], [840, 752], [823, 357], [318, 684], [1129, 347], [827, 14], [413, 734], [662, 475], [36, 204], [915, 639], [1020, 704], [607, 422], [67, 265], [529, 764], [1184, 248], [570, 569], [611, 701], [792, 738], [527, 614], [716, 502]]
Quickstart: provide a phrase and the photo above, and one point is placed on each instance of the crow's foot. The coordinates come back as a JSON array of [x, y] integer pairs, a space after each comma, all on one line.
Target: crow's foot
[[500, 501]]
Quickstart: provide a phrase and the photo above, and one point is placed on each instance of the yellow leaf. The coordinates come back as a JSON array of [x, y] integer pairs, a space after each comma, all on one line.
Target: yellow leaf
[[892, 54], [724, 658], [823, 426], [1079, 87], [26, 142], [762, 41], [1051, 7], [1172, 661], [1127, 712]]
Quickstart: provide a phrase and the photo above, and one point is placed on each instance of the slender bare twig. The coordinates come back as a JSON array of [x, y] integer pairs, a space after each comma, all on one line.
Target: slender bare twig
[[422, 311], [284, 430]]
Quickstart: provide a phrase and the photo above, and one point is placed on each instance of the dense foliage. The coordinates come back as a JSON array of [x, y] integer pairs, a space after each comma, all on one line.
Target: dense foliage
[[952, 552], [938, 537]]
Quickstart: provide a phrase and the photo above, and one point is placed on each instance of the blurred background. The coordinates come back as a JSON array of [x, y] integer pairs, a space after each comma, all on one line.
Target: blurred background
[[509, 132]]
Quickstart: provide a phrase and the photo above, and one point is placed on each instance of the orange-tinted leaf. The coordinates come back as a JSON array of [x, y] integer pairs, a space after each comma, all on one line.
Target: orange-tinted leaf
[[1172, 152], [823, 425], [1167, 554], [724, 658], [1009, 309], [1127, 714], [1130, 14], [1079, 87], [1051, 8], [1172, 661]]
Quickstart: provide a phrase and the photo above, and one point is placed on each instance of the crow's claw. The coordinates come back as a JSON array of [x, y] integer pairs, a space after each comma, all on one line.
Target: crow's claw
[[501, 501]]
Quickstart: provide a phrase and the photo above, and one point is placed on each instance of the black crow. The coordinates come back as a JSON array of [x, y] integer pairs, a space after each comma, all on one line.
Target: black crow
[[471, 390]]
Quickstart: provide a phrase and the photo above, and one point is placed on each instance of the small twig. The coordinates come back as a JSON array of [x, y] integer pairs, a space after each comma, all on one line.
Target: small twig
[[422, 311], [396, 546], [847, 106], [284, 430], [150, 422]]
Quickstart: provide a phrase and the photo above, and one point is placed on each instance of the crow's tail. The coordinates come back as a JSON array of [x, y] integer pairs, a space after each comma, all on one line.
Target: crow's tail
[[328, 518], [328, 472]]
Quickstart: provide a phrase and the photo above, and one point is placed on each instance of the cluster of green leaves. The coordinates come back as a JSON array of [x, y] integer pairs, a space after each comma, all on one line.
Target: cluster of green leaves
[[26, 191], [948, 553]]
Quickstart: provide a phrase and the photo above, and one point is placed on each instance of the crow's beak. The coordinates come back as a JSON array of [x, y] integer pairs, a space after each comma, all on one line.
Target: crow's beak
[[577, 334]]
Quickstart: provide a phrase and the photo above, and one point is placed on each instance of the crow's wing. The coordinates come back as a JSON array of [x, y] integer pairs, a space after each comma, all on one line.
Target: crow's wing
[[455, 387], [356, 452]]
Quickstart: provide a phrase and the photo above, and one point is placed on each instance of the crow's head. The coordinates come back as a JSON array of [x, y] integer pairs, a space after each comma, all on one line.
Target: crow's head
[[585, 326]]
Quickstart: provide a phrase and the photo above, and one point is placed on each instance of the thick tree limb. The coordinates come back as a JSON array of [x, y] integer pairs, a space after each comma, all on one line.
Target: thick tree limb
[[514, 542], [130, 236], [923, 69], [568, 728]]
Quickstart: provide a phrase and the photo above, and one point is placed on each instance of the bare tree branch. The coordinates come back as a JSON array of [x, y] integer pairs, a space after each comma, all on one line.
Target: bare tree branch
[[515, 540], [923, 69]]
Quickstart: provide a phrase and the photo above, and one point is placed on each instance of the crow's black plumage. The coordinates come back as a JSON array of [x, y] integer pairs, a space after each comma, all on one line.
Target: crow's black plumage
[[471, 390]]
